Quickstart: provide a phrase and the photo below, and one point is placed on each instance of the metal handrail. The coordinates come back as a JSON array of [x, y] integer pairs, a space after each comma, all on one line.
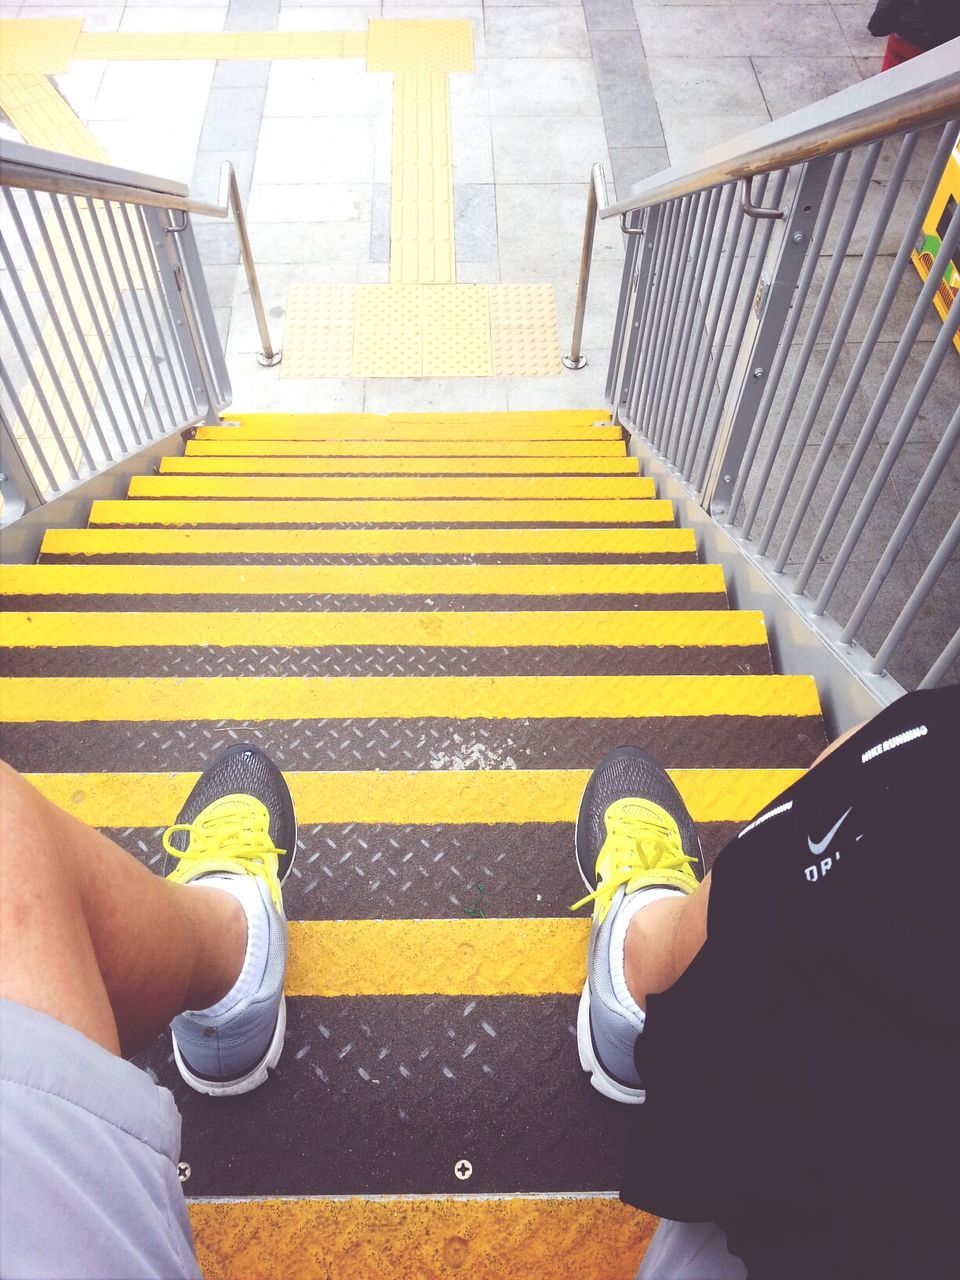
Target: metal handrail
[[33, 169]]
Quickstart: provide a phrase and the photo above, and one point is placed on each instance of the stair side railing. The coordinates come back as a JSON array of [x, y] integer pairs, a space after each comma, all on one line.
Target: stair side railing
[[769, 371], [110, 347]]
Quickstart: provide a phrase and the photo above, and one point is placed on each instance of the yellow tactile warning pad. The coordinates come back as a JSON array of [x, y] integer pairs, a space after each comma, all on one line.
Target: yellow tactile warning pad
[[43, 118], [413, 44], [523, 1237], [412, 331], [40, 45], [187, 46]]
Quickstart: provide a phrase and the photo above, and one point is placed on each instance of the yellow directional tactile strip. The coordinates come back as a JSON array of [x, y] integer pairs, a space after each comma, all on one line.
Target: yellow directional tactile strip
[[362, 579], [236, 46], [186, 511], [425, 797], [522, 1237], [146, 698], [372, 542], [386, 487], [506, 630], [421, 212]]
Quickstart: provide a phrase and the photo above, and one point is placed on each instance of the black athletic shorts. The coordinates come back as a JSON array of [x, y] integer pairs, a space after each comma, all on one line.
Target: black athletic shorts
[[802, 1076]]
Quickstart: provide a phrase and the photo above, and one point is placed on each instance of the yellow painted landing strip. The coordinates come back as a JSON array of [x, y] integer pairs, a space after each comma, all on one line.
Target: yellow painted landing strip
[[61, 700], [413, 488], [401, 1237], [405, 449], [361, 579], [286, 630], [430, 797], [372, 542], [259, 466], [500, 511], [527, 957]]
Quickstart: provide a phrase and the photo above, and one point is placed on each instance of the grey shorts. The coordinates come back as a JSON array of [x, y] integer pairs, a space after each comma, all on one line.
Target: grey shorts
[[89, 1147]]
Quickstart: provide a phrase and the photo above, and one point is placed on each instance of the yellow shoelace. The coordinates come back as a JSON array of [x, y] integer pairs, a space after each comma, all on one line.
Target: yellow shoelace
[[232, 835], [643, 846]]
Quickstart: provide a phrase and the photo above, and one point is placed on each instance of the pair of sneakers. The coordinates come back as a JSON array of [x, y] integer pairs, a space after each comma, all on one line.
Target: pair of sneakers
[[237, 831]]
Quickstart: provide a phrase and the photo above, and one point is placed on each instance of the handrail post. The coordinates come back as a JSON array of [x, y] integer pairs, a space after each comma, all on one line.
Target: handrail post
[[230, 194], [596, 199]]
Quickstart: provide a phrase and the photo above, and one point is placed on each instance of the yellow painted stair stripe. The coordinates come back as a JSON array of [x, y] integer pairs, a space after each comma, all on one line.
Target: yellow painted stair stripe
[[536, 628], [225, 446], [400, 511], [401, 798], [384, 425], [524, 1237], [361, 579], [69, 699], [485, 430], [367, 541], [529, 957], [414, 488], [223, 465]]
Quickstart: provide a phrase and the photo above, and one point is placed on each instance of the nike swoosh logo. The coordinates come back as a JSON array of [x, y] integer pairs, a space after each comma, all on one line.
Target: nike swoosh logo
[[819, 846]]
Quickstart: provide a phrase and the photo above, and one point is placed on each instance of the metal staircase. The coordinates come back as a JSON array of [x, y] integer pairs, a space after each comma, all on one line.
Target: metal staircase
[[436, 625]]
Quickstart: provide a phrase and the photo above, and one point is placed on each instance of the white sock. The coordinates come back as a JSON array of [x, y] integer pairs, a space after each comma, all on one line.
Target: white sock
[[628, 908], [246, 890]]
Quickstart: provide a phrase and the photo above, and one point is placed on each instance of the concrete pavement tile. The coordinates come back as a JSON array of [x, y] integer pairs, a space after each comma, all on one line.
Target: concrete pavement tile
[[232, 118], [472, 149], [791, 83], [853, 19], [252, 15], [540, 229], [869, 66], [530, 154], [234, 75], [810, 29], [264, 391], [179, 18], [435, 395], [703, 31], [217, 243], [221, 283], [542, 86], [469, 92], [610, 15], [478, 272], [708, 86], [315, 150], [341, 246], [130, 90], [323, 88], [310, 202], [380, 223], [537, 33], [631, 115], [567, 390], [475, 222], [633, 164], [339, 17], [103, 17], [687, 135], [617, 56]]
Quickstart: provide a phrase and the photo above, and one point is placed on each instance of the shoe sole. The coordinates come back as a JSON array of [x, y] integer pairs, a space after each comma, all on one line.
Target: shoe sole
[[603, 1083], [246, 1083]]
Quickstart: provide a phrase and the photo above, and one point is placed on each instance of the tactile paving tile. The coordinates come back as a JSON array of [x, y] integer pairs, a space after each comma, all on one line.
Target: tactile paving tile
[[421, 211], [523, 330], [185, 46], [318, 336], [387, 332], [455, 324], [41, 45], [45, 119], [413, 44]]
